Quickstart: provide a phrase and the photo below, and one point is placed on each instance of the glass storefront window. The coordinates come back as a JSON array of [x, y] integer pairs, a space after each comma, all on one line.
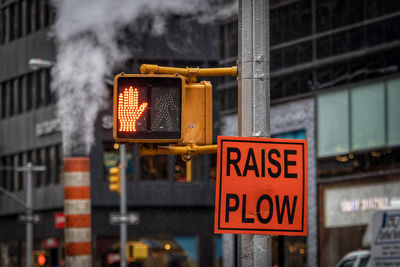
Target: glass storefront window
[[333, 123], [393, 107], [180, 251], [367, 116]]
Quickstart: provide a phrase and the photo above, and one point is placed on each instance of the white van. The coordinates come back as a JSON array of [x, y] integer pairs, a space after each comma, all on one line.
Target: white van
[[359, 258]]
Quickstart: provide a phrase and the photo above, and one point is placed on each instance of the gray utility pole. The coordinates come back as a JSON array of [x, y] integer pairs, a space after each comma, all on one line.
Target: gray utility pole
[[123, 226], [254, 104], [29, 218], [29, 168]]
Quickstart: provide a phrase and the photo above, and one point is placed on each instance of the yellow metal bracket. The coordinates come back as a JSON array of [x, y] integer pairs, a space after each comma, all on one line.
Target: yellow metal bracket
[[190, 73], [189, 150]]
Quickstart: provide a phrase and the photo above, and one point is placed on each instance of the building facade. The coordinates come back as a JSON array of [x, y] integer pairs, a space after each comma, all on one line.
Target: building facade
[[335, 81], [176, 215]]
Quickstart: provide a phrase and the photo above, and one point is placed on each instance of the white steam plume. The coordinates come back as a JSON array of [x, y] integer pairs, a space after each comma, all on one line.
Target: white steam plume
[[86, 34]]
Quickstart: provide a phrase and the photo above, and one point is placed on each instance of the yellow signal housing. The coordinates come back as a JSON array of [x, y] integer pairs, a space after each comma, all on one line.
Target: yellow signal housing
[[136, 251], [115, 179], [197, 122]]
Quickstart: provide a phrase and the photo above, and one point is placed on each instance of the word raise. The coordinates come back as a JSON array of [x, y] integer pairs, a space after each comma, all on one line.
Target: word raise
[[261, 186]]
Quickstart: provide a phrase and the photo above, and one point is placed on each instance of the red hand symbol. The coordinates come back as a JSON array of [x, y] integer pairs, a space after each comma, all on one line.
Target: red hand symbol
[[128, 109]]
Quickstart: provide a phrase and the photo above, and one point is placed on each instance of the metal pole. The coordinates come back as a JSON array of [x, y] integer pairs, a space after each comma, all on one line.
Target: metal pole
[[254, 107], [123, 226], [29, 223]]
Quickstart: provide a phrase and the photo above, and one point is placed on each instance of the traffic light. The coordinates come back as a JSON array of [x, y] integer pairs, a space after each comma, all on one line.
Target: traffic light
[[136, 251], [40, 258], [115, 179], [148, 108]]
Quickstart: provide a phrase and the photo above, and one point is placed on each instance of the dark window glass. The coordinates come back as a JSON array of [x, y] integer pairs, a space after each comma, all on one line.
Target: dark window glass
[[38, 161], [375, 34], [290, 21], [374, 8], [232, 40], [11, 21], [348, 263], [38, 88], [18, 21], [28, 16], [296, 54], [19, 96], [392, 29], [11, 185], [154, 167], [276, 59], [3, 99], [364, 262], [47, 13], [20, 174], [3, 181], [49, 161], [59, 166], [28, 88], [11, 98], [37, 15], [356, 38], [357, 10], [2, 26], [228, 99], [48, 95]]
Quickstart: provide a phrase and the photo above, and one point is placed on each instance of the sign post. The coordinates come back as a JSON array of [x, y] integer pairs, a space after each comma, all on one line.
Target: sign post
[[253, 108]]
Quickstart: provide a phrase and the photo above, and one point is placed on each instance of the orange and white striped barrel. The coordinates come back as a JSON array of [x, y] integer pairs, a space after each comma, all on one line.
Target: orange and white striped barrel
[[77, 210]]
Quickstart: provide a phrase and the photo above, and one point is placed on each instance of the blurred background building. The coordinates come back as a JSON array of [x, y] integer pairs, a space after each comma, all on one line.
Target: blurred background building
[[334, 80], [176, 216]]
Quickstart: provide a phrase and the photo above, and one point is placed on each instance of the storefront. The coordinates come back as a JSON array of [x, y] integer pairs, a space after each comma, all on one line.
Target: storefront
[[346, 210]]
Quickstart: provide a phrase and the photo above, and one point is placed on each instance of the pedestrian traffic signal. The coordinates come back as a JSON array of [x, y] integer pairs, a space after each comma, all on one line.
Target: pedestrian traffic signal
[[40, 258], [148, 108], [115, 179]]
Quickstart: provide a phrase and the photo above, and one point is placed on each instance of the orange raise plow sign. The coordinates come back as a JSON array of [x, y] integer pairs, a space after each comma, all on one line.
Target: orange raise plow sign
[[261, 186]]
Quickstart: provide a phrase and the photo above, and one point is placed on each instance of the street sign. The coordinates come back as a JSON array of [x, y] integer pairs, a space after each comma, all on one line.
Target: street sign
[[261, 186], [129, 218], [34, 218], [385, 245], [59, 220]]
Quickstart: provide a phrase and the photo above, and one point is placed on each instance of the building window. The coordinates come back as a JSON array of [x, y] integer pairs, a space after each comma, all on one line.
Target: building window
[[59, 166], [37, 14], [28, 17], [154, 167], [11, 98], [357, 119], [28, 90], [393, 107], [3, 99], [20, 173], [48, 95], [333, 123], [3, 181], [11, 22], [38, 88], [367, 117], [20, 96], [49, 162], [2, 26]]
